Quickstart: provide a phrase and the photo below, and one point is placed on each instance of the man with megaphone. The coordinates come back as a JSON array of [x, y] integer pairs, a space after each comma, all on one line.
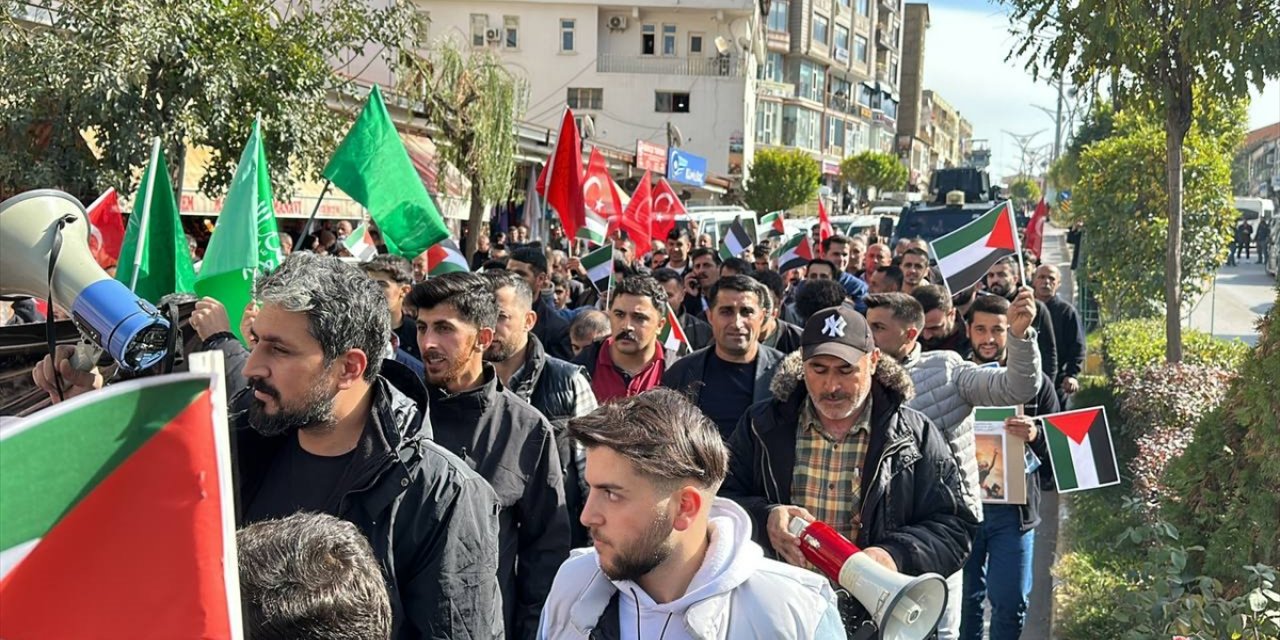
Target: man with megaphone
[[838, 445]]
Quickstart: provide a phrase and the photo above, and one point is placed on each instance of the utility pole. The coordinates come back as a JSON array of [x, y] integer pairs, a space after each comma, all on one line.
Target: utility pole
[[1057, 127]]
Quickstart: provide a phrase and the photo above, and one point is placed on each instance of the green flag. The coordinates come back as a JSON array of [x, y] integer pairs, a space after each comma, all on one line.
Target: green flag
[[166, 261], [245, 243], [372, 166]]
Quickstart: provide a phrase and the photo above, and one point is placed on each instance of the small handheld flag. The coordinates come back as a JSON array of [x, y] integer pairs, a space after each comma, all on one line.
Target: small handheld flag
[[360, 243], [773, 224], [796, 253], [1081, 449], [673, 336], [735, 240], [965, 255], [445, 257], [599, 266]]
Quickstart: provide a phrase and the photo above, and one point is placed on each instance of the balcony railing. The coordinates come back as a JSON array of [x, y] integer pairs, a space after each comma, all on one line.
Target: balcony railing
[[731, 66]]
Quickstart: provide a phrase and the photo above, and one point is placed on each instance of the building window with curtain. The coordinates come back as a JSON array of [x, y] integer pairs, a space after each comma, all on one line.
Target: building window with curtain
[[778, 16]]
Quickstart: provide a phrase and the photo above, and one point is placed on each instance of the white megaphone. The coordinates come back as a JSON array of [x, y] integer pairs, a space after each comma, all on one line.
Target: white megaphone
[[107, 313], [903, 607]]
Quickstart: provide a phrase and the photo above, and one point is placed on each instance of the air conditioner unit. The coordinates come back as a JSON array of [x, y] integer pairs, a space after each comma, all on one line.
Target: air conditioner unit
[[617, 23], [493, 35]]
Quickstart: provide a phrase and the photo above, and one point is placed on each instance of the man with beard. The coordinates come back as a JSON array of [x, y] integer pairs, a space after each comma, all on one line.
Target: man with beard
[[705, 270], [631, 359], [943, 329], [1002, 279], [837, 444], [1068, 330], [530, 263], [695, 329], [726, 378], [325, 424], [670, 559], [507, 441], [915, 268], [557, 389], [999, 569], [948, 388]]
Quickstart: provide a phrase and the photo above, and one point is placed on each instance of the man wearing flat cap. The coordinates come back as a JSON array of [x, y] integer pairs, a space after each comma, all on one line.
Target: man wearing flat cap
[[837, 443]]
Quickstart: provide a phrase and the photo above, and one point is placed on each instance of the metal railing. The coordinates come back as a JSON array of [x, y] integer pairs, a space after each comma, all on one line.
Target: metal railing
[[731, 66]]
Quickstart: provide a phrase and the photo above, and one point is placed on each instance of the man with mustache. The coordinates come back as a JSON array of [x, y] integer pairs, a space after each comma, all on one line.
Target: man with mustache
[[734, 373], [838, 444], [943, 327], [670, 559], [501, 436], [631, 359], [1003, 279]]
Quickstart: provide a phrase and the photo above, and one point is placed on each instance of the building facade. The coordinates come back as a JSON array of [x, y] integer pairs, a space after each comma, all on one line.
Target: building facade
[[1261, 158]]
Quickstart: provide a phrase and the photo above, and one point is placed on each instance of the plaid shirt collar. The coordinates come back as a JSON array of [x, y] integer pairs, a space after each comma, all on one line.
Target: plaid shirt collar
[[809, 420]]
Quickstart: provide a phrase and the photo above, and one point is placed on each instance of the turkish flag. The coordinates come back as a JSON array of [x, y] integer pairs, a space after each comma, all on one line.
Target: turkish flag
[[106, 229], [824, 223], [637, 218], [599, 192], [1035, 228], [666, 206], [560, 183]]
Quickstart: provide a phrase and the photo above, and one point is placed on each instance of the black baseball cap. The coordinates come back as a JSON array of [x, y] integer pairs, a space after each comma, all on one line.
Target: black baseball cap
[[837, 331]]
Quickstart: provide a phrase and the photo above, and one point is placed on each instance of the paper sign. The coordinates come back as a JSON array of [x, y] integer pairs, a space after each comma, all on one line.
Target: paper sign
[[1002, 465]]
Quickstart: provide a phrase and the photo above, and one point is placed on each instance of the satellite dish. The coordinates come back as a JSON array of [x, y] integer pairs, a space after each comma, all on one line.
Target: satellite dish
[[588, 127], [673, 132], [722, 45]]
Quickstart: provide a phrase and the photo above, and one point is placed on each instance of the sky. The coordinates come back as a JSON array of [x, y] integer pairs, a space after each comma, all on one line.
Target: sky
[[964, 62]]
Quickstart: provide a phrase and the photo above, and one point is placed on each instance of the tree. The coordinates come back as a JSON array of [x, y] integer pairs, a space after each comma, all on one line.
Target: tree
[[194, 72], [1159, 52], [781, 179], [1121, 199], [1025, 192], [1096, 125], [874, 170], [471, 100]]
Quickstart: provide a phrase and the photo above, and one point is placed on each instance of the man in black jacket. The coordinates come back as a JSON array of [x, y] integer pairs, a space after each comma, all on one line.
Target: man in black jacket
[[837, 419], [734, 373], [999, 569], [1003, 279], [552, 329], [559, 390], [501, 436], [1068, 330], [696, 330], [944, 328]]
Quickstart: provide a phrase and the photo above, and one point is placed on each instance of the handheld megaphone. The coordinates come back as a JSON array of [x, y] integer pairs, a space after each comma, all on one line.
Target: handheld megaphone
[[903, 607], [107, 313]]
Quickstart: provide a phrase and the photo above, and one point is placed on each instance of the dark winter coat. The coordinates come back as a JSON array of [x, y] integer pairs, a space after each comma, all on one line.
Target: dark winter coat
[[686, 375], [1068, 335], [551, 328]]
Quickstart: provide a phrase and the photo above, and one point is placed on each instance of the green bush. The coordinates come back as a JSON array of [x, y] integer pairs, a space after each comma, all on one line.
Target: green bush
[[1132, 345], [1087, 592]]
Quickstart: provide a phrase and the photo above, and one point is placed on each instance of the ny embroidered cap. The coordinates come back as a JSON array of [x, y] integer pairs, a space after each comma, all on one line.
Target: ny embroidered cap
[[837, 331]]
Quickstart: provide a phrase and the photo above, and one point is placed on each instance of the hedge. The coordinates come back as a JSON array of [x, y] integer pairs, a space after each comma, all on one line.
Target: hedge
[[1133, 345]]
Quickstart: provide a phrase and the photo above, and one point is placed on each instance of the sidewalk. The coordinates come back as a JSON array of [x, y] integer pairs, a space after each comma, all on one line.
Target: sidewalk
[[1234, 303]]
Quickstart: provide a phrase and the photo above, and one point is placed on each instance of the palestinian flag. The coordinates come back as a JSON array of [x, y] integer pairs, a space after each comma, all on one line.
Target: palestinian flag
[[672, 336], [773, 225], [796, 253], [360, 243], [445, 257], [964, 255], [118, 517], [736, 240], [1081, 450], [599, 266]]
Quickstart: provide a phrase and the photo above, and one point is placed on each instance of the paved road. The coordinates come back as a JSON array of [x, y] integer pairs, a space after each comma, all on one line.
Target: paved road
[[1232, 307]]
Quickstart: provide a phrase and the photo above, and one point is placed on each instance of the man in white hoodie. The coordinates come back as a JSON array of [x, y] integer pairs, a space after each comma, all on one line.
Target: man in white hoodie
[[670, 560]]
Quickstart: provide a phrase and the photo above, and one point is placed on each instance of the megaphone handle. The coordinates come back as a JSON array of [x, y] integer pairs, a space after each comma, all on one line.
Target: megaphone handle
[[85, 357]]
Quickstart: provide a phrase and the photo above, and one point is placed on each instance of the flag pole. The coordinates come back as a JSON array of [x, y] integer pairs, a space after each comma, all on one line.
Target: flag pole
[[1017, 244], [306, 230], [146, 213]]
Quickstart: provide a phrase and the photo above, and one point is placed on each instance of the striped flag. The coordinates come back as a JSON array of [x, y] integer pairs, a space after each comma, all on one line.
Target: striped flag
[[599, 266], [118, 515], [735, 240], [1081, 450], [672, 336], [445, 257], [360, 243], [796, 253], [964, 255], [773, 225]]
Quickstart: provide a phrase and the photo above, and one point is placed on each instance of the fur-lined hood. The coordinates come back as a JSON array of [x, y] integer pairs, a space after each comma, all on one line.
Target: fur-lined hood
[[889, 374]]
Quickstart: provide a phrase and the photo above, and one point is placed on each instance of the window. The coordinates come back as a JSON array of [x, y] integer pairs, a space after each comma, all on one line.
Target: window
[[479, 25], [695, 43], [801, 128], [864, 8], [668, 39], [671, 102], [855, 140], [845, 3], [511, 32], [585, 98], [821, 29], [768, 123], [772, 69], [648, 42], [567, 27], [840, 96], [891, 107], [812, 81], [860, 48], [893, 71], [865, 94], [835, 135], [778, 16], [842, 43]]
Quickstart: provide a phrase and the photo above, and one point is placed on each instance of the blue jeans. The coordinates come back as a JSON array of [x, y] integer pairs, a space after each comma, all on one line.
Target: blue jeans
[[999, 569]]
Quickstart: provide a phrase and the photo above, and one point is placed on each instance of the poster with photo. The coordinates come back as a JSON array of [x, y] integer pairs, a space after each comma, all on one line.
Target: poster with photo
[[1002, 471]]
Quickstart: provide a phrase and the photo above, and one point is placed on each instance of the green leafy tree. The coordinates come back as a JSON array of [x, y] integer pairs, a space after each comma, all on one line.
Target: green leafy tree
[[1121, 199], [1025, 192], [781, 179], [471, 100], [194, 72], [1159, 53], [1096, 126], [874, 170]]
